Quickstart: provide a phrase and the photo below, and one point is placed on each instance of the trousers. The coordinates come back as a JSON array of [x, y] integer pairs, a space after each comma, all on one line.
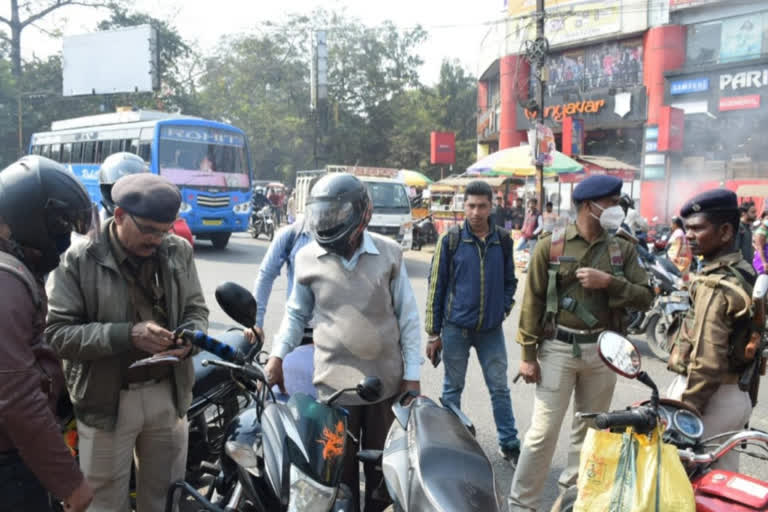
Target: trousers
[[19, 487]]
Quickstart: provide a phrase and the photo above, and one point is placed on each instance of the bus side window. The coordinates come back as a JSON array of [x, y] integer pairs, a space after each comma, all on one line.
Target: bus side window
[[103, 150], [66, 152], [133, 146], [144, 151], [77, 152], [36, 149], [46, 151], [56, 152], [89, 152], [125, 145]]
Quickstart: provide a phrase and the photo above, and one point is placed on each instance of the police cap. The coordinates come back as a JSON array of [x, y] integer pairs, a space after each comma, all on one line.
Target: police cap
[[715, 200], [597, 186], [147, 196]]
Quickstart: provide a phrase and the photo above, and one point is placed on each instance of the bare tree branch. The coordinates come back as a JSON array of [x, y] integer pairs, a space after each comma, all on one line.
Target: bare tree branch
[[44, 30], [58, 4], [5, 20]]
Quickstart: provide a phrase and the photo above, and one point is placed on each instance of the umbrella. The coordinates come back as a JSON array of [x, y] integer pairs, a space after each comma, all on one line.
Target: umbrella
[[413, 178], [517, 161]]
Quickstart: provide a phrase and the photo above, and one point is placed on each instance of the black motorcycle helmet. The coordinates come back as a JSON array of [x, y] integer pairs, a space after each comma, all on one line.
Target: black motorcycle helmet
[[626, 203], [338, 210], [43, 203], [116, 166]]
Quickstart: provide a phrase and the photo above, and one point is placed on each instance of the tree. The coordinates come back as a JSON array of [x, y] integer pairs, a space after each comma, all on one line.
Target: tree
[[33, 11]]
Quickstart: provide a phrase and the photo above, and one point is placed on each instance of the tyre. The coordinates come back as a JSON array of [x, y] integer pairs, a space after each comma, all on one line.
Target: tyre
[[220, 240], [656, 335], [253, 231], [566, 500], [270, 232]]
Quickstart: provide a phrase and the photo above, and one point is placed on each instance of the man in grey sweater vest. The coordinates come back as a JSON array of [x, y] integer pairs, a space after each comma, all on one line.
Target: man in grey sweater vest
[[355, 286]]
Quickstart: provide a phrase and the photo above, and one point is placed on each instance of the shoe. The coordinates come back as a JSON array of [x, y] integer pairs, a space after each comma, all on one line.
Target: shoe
[[511, 454]]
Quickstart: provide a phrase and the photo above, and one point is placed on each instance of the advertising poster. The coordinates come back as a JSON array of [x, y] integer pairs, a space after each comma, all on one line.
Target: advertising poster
[[740, 37]]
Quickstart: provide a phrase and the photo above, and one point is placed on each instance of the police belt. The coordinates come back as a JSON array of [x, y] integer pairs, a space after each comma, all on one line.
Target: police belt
[[579, 336]]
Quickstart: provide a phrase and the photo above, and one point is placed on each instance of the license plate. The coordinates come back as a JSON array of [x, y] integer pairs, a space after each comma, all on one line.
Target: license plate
[[212, 222]]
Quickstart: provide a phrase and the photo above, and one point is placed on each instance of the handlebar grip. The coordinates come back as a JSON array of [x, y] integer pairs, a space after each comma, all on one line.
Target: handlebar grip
[[224, 351], [639, 419]]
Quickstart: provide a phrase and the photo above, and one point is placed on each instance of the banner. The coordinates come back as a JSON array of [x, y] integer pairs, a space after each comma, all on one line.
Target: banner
[[740, 37]]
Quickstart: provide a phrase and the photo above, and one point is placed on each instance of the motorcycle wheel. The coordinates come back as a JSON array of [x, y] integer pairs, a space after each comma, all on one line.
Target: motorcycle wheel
[[270, 233], [416, 244], [657, 338], [566, 500], [252, 230]]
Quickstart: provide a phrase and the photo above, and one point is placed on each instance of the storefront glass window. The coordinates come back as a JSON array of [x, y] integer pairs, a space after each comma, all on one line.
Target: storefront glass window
[[703, 45], [728, 40]]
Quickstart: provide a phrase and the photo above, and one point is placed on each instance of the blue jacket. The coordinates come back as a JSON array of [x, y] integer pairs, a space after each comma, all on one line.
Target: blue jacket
[[480, 293]]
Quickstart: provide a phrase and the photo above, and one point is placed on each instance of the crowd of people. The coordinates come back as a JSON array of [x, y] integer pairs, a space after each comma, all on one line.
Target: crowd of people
[[114, 298]]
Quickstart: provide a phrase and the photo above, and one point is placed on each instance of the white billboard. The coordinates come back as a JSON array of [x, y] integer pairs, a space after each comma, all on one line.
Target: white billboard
[[111, 61]]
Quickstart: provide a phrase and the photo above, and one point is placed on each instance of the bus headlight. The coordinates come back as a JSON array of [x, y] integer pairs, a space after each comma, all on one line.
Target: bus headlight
[[242, 208], [185, 207]]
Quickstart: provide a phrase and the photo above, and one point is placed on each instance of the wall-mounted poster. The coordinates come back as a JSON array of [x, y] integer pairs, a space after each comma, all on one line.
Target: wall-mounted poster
[[741, 38]]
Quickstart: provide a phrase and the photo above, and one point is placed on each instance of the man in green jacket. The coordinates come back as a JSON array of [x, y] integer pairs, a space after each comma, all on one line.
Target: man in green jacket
[[115, 300]]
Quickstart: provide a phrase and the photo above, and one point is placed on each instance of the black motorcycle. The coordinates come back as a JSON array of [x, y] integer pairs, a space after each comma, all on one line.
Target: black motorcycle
[[424, 233], [262, 222], [276, 456]]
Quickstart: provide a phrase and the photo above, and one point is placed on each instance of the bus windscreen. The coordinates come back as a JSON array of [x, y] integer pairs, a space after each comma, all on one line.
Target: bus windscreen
[[199, 156]]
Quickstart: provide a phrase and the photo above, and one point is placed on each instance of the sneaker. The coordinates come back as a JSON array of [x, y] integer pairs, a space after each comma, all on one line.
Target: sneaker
[[511, 453]]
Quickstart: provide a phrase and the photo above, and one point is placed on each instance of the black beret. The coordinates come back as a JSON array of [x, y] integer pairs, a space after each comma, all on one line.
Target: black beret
[[597, 186], [715, 200], [148, 196]]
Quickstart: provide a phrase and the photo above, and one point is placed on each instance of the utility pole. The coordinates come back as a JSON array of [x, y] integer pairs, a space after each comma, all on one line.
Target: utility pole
[[536, 53]]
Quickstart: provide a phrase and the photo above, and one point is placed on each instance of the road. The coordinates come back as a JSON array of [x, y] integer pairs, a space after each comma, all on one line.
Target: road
[[240, 263]]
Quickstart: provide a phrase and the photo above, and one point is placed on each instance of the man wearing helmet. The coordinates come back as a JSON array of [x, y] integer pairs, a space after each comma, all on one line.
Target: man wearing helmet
[[40, 204], [354, 286], [115, 300]]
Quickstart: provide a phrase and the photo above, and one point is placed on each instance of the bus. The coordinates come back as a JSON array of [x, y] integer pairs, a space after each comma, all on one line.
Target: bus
[[207, 160]]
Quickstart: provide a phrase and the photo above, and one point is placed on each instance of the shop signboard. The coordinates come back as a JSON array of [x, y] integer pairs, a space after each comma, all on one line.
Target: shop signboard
[[683, 4], [748, 102], [671, 128], [573, 136], [748, 79], [443, 148], [741, 37], [688, 86]]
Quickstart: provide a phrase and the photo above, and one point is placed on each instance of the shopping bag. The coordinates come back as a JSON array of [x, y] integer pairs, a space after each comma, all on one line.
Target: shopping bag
[[628, 472]]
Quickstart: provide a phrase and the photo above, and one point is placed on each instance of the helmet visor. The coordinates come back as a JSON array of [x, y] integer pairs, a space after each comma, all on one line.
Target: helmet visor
[[328, 219], [61, 220]]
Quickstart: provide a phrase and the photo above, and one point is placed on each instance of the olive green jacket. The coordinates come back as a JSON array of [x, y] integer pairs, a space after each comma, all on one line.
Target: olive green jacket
[[90, 316]]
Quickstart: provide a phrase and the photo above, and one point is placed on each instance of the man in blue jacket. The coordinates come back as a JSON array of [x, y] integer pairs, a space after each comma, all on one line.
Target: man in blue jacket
[[471, 291]]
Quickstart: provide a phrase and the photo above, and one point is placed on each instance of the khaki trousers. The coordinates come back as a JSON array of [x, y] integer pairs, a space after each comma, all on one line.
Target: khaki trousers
[[728, 409], [149, 430], [591, 383]]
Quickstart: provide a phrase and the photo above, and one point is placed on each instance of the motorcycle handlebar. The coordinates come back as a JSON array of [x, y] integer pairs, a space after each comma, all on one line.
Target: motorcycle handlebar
[[688, 456], [640, 419], [205, 342]]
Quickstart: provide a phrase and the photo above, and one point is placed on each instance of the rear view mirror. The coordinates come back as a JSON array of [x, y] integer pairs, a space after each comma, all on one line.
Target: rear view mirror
[[369, 389], [238, 303], [619, 354], [761, 287]]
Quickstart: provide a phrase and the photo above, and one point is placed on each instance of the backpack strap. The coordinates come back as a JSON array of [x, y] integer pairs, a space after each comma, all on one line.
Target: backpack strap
[[507, 247], [616, 257], [556, 251], [294, 234], [14, 266]]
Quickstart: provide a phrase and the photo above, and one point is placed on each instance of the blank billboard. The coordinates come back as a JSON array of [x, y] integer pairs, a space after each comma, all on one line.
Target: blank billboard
[[111, 61]]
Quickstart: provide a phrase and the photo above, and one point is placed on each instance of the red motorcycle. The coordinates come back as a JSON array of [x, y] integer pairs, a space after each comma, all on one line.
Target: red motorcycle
[[715, 490]]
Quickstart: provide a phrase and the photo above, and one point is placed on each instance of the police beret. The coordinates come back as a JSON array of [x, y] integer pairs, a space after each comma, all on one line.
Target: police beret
[[718, 199], [597, 186], [147, 196]]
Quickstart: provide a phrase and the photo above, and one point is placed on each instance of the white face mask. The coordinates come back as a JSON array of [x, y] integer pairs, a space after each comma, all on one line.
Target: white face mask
[[610, 218]]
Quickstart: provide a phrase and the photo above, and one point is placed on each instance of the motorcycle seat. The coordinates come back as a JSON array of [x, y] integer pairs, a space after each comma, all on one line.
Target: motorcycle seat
[[453, 466], [208, 377]]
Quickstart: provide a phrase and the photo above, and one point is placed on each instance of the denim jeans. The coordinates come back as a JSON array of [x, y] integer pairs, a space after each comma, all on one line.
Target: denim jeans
[[492, 354], [19, 487]]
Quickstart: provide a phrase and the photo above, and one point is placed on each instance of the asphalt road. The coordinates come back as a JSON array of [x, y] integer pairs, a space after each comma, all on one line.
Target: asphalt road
[[240, 263]]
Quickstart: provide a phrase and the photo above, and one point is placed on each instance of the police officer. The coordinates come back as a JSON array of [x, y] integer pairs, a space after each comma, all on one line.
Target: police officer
[[597, 278], [709, 352], [40, 204]]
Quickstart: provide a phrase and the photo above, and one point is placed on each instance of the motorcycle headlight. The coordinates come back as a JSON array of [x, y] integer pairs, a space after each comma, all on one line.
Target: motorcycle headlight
[[267, 210], [244, 455], [185, 208], [242, 208], [308, 495]]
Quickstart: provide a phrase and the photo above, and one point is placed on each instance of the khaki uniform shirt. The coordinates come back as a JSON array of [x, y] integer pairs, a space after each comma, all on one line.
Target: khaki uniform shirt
[[630, 291], [715, 309]]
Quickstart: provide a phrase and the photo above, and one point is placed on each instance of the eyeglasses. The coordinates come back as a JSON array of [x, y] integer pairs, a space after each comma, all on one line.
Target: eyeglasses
[[149, 230]]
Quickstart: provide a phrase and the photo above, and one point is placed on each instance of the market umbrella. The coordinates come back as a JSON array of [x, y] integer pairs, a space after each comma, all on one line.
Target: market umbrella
[[517, 162], [413, 178]]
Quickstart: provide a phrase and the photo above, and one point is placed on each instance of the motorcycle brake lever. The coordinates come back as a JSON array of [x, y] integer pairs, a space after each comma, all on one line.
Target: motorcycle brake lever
[[586, 415], [353, 438]]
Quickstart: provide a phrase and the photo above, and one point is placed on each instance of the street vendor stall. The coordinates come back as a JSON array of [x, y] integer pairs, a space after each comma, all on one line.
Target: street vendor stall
[[597, 164]]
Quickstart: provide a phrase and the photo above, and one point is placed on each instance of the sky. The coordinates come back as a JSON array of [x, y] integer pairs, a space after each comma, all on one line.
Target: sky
[[455, 27]]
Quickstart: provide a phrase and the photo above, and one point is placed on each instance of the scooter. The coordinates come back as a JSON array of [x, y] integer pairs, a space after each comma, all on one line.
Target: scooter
[[432, 462], [261, 222], [714, 490], [276, 456], [424, 233]]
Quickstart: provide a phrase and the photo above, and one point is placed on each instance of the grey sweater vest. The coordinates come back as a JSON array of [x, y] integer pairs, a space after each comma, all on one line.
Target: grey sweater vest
[[356, 331]]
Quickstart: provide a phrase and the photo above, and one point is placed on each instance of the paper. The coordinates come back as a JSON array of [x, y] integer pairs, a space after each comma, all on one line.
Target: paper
[[155, 360], [622, 103]]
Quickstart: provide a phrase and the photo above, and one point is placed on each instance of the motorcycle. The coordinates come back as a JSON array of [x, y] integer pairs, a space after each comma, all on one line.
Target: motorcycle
[[670, 304], [714, 490], [261, 222], [424, 233], [432, 462], [276, 456]]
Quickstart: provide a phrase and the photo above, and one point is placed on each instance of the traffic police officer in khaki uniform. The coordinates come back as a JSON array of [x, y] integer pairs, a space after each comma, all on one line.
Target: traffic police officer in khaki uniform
[[709, 352], [582, 281]]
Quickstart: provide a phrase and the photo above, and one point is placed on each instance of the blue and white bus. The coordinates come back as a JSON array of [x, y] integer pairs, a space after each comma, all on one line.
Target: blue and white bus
[[207, 160]]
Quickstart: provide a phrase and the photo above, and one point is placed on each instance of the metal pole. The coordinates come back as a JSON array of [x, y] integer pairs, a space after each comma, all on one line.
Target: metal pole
[[21, 122], [540, 99]]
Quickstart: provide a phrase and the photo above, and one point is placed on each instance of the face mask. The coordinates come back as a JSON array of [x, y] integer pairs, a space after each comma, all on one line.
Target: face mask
[[610, 218], [63, 242]]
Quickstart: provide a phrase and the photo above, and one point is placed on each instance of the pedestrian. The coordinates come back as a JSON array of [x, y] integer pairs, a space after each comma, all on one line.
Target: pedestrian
[[40, 204], [548, 219], [471, 291], [748, 215], [517, 215], [708, 354], [291, 208], [531, 226], [114, 301], [599, 279], [678, 249], [276, 198], [760, 260], [500, 212], [354, 285]]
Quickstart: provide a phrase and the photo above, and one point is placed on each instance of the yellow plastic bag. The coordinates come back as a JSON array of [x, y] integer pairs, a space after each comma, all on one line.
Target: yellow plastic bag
[[631, 473]]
